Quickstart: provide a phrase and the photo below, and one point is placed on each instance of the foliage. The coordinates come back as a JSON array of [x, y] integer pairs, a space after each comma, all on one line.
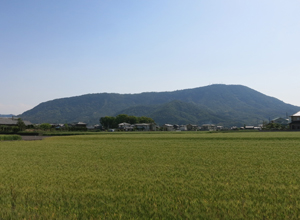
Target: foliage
[[45, 126], [8, 129], [112, 122], [10, 137], [108, 122], [229, 104], [21, 124], [275, 126], [183, 175]]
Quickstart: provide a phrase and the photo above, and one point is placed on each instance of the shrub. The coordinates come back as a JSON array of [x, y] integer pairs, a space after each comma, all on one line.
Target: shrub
[[10, 137]]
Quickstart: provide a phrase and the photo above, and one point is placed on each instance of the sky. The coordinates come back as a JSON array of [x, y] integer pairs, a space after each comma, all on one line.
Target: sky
[[56, 49]]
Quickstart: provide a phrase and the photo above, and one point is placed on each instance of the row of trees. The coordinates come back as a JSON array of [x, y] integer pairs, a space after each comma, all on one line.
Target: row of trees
[[112, 122]]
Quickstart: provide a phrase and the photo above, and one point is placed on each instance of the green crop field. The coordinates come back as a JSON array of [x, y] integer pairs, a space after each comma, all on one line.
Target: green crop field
[[181, 175]]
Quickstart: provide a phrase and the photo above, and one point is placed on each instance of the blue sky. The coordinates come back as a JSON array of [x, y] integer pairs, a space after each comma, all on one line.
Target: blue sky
[[55, 49]]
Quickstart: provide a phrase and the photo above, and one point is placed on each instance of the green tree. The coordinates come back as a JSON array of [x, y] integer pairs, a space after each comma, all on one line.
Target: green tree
[[144, 119], [21, 124], [66, 127], [108, 122], [122, 118], [45, 126], [132, 119]]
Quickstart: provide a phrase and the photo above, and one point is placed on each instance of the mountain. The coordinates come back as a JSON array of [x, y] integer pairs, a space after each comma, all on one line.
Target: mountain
[[6, 116], [220, 104], [176, 112]]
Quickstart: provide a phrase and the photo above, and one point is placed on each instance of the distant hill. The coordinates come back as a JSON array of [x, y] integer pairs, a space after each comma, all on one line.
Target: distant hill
[[219, 104], [6, 116]]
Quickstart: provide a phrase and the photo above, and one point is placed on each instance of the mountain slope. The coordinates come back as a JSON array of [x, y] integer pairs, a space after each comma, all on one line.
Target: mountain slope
[[231, 103], [176, 112]]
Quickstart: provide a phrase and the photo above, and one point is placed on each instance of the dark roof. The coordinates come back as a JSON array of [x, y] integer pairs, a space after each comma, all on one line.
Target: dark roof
[[12, 121]]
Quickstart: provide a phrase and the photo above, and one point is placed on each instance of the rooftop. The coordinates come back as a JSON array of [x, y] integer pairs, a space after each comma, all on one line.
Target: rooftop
[[12, 121], [297, 114]]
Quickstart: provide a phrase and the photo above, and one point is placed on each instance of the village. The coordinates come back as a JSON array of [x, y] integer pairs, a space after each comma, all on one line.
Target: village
[[14, 124]]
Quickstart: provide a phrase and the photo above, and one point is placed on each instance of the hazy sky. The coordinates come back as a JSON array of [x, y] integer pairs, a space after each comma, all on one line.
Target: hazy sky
[[54, 49]]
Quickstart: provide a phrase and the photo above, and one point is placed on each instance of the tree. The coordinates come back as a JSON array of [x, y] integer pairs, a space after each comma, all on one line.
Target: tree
[[108, 122], [112, 122], [45, 126], [21, 124], [144, 119], [122, 118], [132, 119], [66, 127]]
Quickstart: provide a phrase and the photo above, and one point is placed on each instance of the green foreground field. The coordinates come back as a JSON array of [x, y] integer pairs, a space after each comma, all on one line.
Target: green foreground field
[[152, 176]]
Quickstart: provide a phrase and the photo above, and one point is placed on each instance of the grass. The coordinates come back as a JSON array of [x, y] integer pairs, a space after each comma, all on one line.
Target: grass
[[10, 137], [162, 175]]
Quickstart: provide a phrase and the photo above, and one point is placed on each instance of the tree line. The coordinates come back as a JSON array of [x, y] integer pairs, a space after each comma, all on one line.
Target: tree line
[[112, 122]]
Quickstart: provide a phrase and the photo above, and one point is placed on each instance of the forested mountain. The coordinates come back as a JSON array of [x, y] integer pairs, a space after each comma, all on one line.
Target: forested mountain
[[177, 112], [219, 104]]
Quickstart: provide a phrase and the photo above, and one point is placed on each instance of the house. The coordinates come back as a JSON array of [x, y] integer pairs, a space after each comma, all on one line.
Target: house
[[295, 121], [281, 121], [125, 126], [176, 127], [182, 128], [191, 127], [97, 126], [145, 126], [13, 121], [168, 127], [78, 126], [57, 126], [208, 127], [220, 128], [94, 127]]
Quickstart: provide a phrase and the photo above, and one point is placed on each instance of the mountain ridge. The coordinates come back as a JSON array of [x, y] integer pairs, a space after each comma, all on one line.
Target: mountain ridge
[[232, 104]]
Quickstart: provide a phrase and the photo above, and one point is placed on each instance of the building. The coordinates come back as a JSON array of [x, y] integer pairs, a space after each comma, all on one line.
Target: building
[[208, 127], [176, 127], [295, 121], [13, 121], [168, 127], [281, 121], [125, 126], [78, 125], [220, 128], [182, 128], [191, 127], [145, 126]]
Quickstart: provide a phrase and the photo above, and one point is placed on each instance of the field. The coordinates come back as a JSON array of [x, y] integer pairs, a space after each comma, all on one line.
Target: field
[[181, 175]]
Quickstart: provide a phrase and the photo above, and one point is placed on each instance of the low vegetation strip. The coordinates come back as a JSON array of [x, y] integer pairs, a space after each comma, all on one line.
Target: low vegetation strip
[[152, 176], [10, 137]]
